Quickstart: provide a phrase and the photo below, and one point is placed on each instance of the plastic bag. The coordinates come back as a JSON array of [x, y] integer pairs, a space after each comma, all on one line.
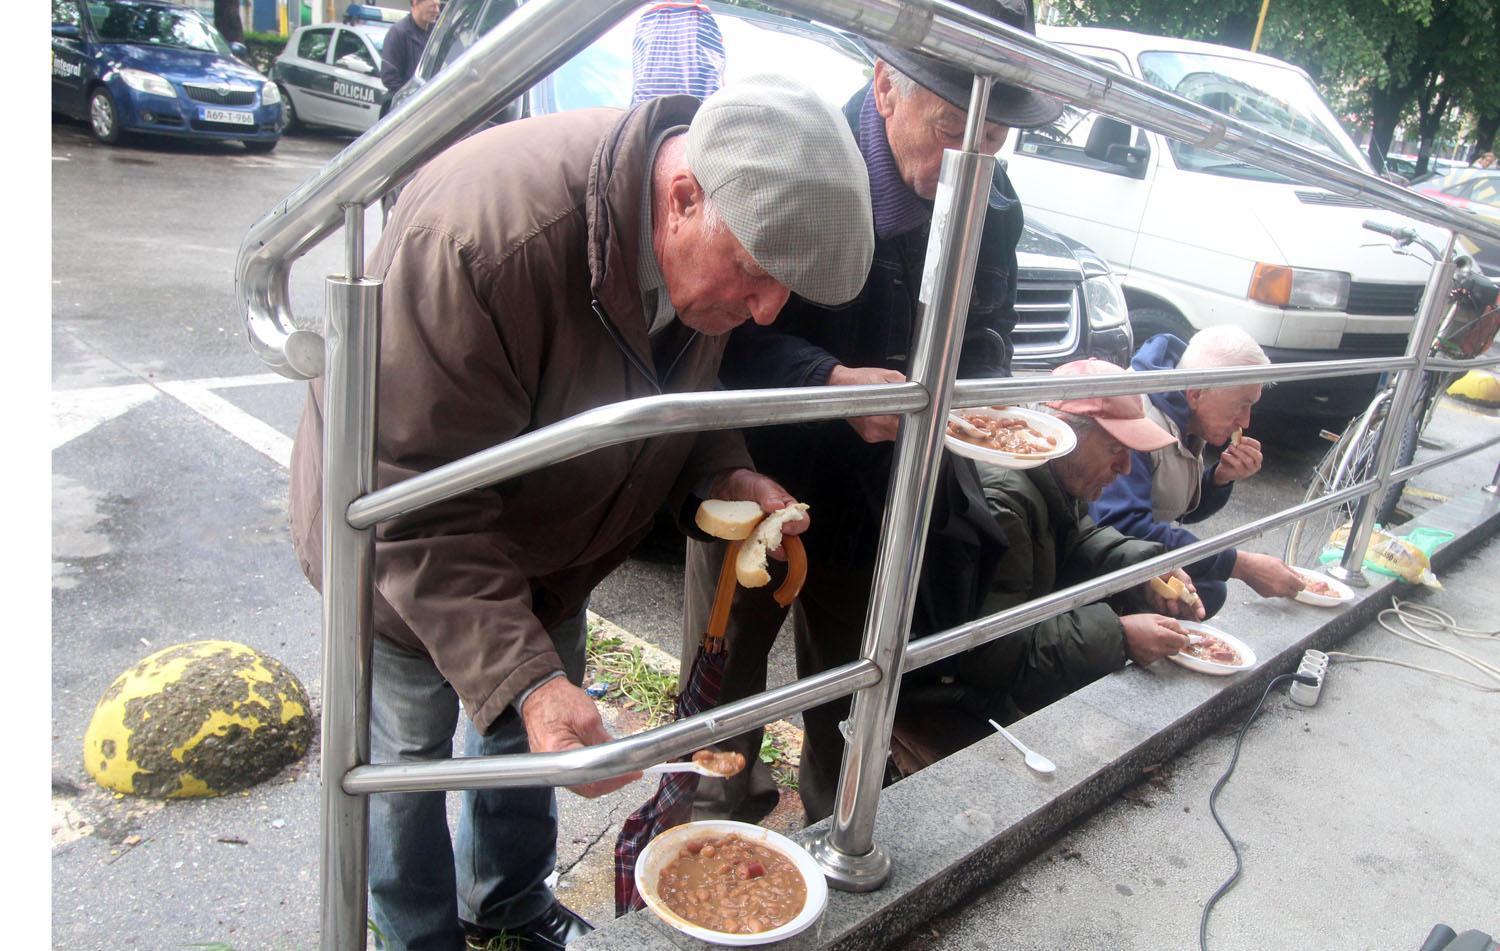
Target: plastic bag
[[1388, 555]]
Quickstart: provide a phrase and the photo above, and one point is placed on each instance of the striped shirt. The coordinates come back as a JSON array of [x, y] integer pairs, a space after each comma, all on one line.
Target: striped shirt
[[677, 49]]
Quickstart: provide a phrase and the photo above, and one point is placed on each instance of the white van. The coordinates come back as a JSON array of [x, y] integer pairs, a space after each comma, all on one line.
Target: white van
[[1198, 238]]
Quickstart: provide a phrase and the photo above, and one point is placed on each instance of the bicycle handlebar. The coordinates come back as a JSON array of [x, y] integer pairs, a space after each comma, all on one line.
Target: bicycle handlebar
[[1404, 234]]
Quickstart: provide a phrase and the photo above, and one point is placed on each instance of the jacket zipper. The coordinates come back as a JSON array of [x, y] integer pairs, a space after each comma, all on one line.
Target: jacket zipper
[[630, 354]]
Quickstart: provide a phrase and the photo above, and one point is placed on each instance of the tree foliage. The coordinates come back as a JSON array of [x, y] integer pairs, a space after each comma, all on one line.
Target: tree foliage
[[1377, 62]]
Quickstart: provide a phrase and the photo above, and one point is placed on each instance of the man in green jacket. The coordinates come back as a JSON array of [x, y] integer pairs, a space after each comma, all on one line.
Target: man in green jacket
[[1043, 513]]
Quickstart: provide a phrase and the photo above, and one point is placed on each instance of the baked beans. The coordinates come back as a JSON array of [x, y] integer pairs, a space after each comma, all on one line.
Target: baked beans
[[723, 763], [733, 885]]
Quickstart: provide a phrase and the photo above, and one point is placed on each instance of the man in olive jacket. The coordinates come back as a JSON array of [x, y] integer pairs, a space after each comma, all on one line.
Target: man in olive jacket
[[533, 272], [1043, 514]]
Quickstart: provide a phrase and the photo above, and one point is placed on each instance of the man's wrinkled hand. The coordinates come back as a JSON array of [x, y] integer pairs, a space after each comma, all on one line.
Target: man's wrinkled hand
[[1150, 637], [1239, 460], [747, 485], [1269, 577], [871, 429], [560, 716]]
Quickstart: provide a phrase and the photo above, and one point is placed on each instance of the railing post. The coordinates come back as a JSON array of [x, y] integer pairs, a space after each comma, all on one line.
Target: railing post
[[847, 852], [352, 338], [1494, 487], [1419, 347]]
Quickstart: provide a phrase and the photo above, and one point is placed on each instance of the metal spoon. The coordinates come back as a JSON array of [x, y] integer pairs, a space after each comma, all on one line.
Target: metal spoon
[[1035, 760]]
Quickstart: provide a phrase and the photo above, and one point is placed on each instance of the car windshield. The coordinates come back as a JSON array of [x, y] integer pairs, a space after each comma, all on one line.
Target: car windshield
[[152, 25], [1273, 99], [600, 75]]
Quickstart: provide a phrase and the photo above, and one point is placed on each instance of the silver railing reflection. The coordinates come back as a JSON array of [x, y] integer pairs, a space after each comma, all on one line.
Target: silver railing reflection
[[527, 46]]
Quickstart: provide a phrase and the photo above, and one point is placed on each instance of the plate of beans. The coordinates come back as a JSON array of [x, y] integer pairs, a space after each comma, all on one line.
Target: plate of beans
[[730, 883]]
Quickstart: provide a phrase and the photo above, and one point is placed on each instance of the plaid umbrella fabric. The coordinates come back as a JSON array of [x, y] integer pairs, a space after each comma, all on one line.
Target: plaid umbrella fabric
[[672, 804]]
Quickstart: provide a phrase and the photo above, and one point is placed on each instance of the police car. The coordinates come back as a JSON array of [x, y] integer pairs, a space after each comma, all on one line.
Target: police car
[[329, 75], [145, 66]]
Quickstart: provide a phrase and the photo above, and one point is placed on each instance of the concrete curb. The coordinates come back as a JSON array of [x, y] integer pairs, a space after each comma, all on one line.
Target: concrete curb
[[979, 814]]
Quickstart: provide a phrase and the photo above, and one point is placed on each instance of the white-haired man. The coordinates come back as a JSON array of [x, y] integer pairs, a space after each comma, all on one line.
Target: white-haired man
[[1174, 485]]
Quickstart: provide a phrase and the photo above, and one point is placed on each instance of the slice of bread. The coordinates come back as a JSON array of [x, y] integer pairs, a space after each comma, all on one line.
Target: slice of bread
[[750, 566], [731, 521]]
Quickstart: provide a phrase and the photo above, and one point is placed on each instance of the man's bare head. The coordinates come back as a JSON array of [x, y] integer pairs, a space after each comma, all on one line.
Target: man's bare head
[[1214, 414]]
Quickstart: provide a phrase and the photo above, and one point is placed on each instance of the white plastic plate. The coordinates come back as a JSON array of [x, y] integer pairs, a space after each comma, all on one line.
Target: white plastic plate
[[663, 849], [1247, 656], [1346, 593], [1041, 422]]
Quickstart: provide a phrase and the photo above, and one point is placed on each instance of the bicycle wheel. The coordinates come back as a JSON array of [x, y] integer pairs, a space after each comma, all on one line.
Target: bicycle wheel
[[1428, 396], [1350, 460]]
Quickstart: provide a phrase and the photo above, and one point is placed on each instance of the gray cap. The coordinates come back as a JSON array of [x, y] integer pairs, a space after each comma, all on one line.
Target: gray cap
[[781, 167]]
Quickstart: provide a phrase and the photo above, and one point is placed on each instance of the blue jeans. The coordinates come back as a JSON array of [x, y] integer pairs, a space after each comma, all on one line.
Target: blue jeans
[[424, 885]]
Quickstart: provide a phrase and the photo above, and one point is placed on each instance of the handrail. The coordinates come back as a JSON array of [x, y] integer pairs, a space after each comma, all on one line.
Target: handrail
[[648, 416], [956, 640], [542, 34], [522, 49], [622, 755], [965, 38]]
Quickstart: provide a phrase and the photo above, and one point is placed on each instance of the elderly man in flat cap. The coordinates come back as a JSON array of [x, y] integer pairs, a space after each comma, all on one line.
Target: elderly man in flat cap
[[533, 272], [914, 109]]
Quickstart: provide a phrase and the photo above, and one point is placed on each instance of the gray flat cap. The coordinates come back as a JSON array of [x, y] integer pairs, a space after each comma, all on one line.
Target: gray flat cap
[[782, 168]]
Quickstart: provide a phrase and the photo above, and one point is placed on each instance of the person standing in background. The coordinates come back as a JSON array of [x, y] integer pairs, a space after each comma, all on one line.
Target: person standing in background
[[404, 44]]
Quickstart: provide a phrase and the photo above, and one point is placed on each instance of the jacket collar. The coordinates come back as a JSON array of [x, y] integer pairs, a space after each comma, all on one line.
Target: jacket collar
[[1163, 352], [620, 171]]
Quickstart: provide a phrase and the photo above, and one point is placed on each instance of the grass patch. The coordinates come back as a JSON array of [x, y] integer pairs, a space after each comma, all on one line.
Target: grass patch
[[631, 680], [774, 754]]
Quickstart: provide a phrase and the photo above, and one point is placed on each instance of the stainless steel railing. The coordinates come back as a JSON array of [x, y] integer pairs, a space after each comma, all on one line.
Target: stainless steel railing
[[525, 47]]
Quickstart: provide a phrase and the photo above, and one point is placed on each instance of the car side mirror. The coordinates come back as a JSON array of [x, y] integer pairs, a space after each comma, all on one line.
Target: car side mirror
[[1130, 158], [66, 31], [239, 49]]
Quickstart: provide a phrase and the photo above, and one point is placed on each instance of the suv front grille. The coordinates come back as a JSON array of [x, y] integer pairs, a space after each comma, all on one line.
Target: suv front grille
[[214, 96], [1047, 318], [1384, 300]]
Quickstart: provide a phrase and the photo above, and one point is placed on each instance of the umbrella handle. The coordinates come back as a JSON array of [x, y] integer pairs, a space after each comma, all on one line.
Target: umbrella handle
[[718, 618], [796, 571]]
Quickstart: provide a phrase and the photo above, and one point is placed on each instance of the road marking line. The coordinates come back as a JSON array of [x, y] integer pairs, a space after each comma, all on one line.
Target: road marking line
[[75, 412], [231, 382], [260, 436]]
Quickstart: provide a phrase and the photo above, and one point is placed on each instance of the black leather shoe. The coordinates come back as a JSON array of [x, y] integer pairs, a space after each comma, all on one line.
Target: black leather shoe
[[556, 927]]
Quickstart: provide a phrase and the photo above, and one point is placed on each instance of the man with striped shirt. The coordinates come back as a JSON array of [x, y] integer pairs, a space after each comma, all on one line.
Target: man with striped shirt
[[914, 108]]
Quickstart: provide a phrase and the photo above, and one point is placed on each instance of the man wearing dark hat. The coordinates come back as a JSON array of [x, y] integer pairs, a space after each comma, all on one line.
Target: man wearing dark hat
[[530, 273], [1051, 543], [914, 108]]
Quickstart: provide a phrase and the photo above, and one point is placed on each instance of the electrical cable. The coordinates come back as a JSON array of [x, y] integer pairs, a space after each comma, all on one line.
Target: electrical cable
[[1213, 808], [1416, 618]]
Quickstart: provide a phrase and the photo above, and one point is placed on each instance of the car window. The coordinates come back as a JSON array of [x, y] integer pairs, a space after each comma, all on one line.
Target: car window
[[150, 25], [350, 52], [459, 26], [66, 11], [1486, 191], [1270, 98], [1069, 138], [314, 45]]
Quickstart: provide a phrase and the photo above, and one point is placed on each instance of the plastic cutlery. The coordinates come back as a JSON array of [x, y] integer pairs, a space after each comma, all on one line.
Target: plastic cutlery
[[1035, 760]]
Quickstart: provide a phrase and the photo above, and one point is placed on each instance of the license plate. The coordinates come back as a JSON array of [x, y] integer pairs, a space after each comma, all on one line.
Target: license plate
[[228, 115]]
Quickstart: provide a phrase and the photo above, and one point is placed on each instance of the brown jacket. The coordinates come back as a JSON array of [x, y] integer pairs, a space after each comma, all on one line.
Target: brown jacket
[[502, 263]]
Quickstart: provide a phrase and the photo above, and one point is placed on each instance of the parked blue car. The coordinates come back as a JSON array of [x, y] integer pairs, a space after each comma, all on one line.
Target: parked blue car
[[148, 67]]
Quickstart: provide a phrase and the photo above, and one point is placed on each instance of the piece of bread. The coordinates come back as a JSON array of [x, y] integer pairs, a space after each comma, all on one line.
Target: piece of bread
[[1234, 437], [1171, 588], [731, 521], [750, 566]]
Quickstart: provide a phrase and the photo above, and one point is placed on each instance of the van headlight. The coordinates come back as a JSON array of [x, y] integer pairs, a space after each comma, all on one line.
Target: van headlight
[[1299, 287], [149, 83], [1105, 302]]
